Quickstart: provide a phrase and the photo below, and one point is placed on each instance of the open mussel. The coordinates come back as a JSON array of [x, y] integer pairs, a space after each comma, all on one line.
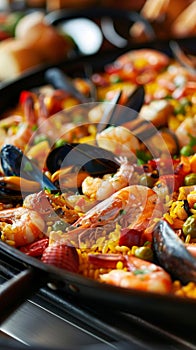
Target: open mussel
[[172, 254], [115, 114], [94, 160], [10, 196], [60, 80], [15, 163]]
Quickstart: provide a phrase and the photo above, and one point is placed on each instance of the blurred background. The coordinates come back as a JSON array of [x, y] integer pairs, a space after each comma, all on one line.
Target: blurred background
[[168, 17], [87, 27]]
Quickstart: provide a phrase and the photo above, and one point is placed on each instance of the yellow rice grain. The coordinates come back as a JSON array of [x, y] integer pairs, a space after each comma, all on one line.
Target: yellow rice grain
[[187, 291], [188, 238], [168, 218], [122, 249], [119, 265], [105, 249], [133, 249], [10, 242]]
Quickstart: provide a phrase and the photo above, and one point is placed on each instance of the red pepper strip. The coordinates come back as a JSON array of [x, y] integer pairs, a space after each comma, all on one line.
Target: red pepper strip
[[35, 249], [24, 95], [133, 237], [130, 237], [173, 182], [108, 261]]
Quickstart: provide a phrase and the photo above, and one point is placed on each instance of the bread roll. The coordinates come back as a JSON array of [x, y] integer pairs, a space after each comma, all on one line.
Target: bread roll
[[185, 23], [42, 37], [35, 42], [15, 58]]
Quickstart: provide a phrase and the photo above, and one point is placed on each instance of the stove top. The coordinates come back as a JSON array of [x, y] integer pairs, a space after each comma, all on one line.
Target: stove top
[[49, 321]]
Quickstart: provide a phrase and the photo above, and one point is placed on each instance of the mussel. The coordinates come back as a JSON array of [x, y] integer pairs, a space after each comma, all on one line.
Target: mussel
[[60, 80], [115, 114], [10, 196], [15, 163], [172, 254], [94, 160]]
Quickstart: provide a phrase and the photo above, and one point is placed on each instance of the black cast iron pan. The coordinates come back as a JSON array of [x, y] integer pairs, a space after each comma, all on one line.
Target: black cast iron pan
[[75, 66], [35, 274]]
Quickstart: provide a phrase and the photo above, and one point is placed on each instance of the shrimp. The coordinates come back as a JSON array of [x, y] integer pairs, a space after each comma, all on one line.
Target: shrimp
[[143, 59], [18, 129], [22, 136], [51, 206], [133, 206], [101, 188], [157, 112], [186, 128], [175, 80], [142, 275], [20, 226], [8, 127], [118, 140]]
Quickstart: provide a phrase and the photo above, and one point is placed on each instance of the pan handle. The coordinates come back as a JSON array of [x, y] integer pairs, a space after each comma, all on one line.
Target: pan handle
[[18, 289]]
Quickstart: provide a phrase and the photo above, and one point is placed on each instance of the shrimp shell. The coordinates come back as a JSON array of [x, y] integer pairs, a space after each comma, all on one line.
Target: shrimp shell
[[118, 140], [101, 188], [141, 275], [134, 206], [20, 226]]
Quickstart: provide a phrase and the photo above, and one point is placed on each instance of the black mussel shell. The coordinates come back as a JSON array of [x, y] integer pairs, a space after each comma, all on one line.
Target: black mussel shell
[[60, 80], [136, 100], [11, 197], [15, 163], [172, 254], [94, 160], [110, 112], [116, 115]]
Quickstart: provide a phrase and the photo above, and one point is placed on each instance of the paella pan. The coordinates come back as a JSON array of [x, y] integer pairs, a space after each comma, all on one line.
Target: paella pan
[[107, 207]]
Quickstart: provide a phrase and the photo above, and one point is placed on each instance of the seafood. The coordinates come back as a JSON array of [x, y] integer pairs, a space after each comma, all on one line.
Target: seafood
[[52, 206], [157, 112], [16, 129], [68, 178], [100, 188], [141, 275], [142, 59], [19, 226], [185, 129], [16, 182], [120, 186], [10, 187], [62, 256], [58, 78], [107, 114], [14, 162], [118, 140], [172, 253], [92, 159], [133, 206]]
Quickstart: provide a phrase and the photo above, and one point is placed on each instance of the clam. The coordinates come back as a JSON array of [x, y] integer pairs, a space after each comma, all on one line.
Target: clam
[[172, 254], [62, 256]]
